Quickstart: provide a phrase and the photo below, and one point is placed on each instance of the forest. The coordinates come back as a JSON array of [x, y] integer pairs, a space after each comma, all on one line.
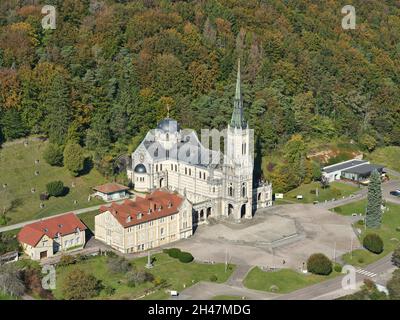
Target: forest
[[111, 69]]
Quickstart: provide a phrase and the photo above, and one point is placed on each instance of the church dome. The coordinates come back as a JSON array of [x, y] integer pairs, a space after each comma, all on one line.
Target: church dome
[[168, 125], [140, 168]]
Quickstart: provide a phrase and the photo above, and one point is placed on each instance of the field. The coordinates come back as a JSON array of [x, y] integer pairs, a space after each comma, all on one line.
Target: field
[[334, 191], [17, 171], [388, 233], [88, 219], [176, 274], [284, 281], [387, 156]]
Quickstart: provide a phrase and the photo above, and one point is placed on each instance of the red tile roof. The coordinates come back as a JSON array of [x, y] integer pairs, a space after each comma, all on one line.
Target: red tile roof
[[160, 203], [110, 188], [65, 224]]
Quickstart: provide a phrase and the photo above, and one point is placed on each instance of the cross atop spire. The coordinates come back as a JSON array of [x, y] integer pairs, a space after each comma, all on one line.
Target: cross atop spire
[[237, 120]]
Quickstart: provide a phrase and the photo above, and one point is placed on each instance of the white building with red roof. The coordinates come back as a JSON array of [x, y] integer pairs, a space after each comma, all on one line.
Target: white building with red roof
[[47, 237], [148, 222], [111, 191]]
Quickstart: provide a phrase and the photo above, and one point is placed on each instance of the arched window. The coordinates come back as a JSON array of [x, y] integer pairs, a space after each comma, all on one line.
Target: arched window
[[243, 190], [230, 191]]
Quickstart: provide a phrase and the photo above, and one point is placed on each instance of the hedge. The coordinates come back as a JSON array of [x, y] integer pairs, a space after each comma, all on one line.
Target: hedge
[[373, 242], [320, 264]]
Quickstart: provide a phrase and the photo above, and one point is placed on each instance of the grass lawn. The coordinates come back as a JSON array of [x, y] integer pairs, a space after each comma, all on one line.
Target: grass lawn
[[387, 156], [176, 274], [88, 218], [17, 170], [5, 296], [336, 190], [388, 232], [286, 280]]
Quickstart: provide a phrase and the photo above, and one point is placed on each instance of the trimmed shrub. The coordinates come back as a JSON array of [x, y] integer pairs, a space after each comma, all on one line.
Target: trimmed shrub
[[213, 278], [373, 243], [55, 188], [173, 252], [185, 257], [337, 268], [318, 263]]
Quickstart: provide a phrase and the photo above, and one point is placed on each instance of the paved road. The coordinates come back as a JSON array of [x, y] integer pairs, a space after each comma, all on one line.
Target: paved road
[[324, 290]]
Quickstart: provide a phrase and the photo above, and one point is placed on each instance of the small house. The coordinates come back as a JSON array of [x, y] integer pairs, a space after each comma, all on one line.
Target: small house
[[111, 192]]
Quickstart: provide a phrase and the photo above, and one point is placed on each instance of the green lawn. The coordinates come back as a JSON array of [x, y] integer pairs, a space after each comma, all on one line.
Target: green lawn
[[388, 232], [17, 170], [176, 274], [354, 207], [336, 190], [387, 156], [5, 296], [88, 218], [286, 280]]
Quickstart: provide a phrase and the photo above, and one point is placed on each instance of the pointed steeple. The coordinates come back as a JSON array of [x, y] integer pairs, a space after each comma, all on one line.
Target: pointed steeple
[[237, 120]]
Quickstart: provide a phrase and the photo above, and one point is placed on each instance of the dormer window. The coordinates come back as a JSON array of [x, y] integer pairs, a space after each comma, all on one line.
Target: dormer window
[[139, 215], [169, 204], [159, 208], [128, 219], [60, 225], [149, 211]]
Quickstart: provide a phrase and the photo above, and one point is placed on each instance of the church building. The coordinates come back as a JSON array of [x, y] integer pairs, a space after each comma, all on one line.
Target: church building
[[218, 184]]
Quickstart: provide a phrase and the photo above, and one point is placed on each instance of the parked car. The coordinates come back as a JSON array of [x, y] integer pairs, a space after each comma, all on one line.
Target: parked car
[[395, 193]]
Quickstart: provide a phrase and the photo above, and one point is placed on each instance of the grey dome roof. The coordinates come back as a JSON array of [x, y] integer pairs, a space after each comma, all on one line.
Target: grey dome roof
[[168, 125], [140, 168]]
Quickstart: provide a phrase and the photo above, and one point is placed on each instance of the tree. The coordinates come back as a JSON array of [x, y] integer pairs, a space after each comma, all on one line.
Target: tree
[[80, 285], [319, 263], [53, 155], [374, 209], [393, 285], [13, 127], [74, 158], [55, 188], [118, 265], [58, 108], [396, 257], [11, 281], [373, 242]]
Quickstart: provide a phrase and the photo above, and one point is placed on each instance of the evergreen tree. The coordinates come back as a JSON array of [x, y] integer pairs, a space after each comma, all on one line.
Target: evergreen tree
[[374, 210], [12, 125], [58, 111]]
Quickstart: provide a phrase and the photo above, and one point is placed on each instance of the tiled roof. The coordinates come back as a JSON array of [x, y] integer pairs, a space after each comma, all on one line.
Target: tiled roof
[[63, 225], [154, 206], [110, 188]]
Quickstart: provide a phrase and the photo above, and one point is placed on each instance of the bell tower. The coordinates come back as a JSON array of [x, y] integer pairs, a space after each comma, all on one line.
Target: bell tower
[[240, 162]]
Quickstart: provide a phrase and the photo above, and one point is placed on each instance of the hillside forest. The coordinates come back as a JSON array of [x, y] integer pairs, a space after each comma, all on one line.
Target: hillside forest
[[112, 68]]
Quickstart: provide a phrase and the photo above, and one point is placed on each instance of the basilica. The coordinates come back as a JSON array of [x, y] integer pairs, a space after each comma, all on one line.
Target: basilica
[[218, 184]]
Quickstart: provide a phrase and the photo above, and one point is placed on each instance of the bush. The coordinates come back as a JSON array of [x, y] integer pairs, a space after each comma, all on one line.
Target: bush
[[74, 158], [80, 285], [66, 260], [373, 243], [109, 290], [185, 257], [337, 268], [138, 277], [118, 265], [396, 257], [55, 188], [173, 252], [213, 278], [53, 155], [318, 263]]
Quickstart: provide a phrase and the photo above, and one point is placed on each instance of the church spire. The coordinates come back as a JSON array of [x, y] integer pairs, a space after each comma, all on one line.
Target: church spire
[[237, 120]]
